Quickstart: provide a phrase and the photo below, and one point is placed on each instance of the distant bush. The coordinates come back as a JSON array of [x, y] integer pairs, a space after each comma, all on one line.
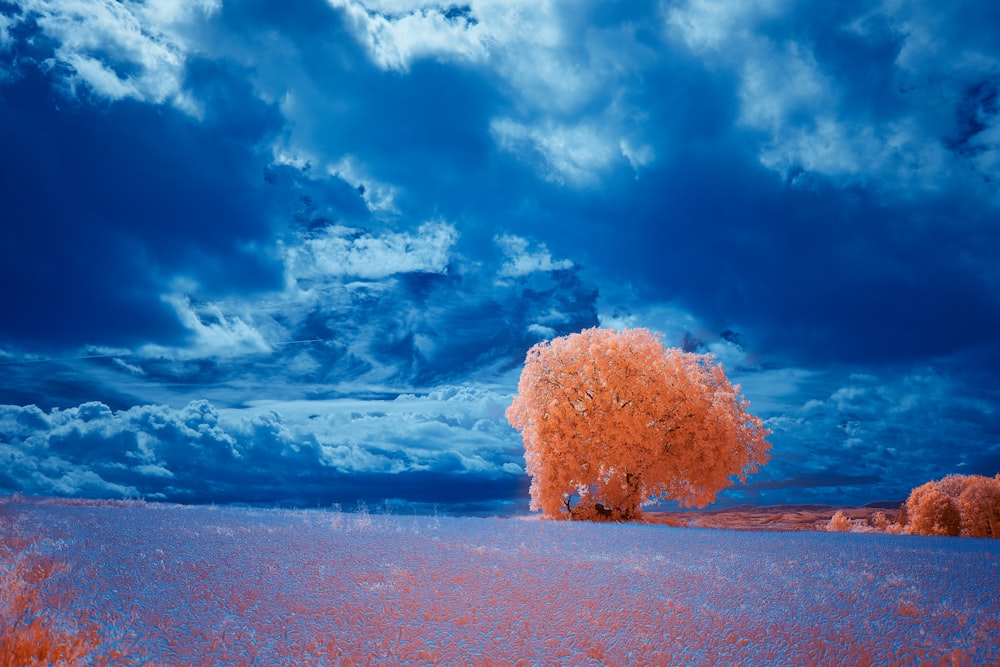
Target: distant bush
[[966, 505], [879, 522], [839, 523], [876, 522]]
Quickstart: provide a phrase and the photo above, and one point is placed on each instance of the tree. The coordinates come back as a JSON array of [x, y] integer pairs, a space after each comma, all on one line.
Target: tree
[[617, 421], [931, 511], [979, 506], [966, 505]]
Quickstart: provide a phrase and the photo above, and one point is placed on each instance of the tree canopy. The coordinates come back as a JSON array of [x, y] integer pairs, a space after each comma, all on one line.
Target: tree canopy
[[967, 505], [614, 420]]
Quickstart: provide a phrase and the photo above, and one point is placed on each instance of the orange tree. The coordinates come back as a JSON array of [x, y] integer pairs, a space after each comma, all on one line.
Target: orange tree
[[611, 421], [966, 505]]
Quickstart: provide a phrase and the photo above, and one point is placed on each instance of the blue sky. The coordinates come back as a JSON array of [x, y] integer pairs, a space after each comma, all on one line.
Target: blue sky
[[296, 252]]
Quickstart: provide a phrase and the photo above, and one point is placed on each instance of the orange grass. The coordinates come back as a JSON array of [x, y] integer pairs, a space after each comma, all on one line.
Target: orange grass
[[31, 632]]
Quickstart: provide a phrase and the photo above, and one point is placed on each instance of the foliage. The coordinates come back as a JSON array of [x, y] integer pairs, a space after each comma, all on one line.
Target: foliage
[[879, 522], [618, 420], [30, 635], [930, 511], [839, 523], [967, 505]]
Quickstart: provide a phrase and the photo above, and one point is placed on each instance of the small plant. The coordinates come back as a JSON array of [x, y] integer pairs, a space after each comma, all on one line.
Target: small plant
[[839, 523], [30, 635], [362, 518], [879, 522]]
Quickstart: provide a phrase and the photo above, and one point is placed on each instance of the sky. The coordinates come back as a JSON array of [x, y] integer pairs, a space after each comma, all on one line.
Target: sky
[[295, 253]]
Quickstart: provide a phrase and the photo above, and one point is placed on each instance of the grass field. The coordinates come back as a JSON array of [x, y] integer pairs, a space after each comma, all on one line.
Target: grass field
[[136, 584]]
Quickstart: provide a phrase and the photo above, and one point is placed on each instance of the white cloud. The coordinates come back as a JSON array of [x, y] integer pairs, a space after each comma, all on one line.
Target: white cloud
[[522, 259], [129, 368], [780, 81], [638, 155], [513, 469], [126, 49], [396, 33], [627, 310], [712, 25], [540, 48], [339, 252], [213, 334], [803, 112], [80, 482], [541, 331], [458, 428], [882, 421], [378, 196], [554, 67], [5, 24], [573, 153]]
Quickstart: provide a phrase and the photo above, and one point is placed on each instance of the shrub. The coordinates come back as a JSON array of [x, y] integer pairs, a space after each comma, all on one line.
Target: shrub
[[839, 522], [879, 521], [967, 505], [30, 633], [29, 636], [932, 512]]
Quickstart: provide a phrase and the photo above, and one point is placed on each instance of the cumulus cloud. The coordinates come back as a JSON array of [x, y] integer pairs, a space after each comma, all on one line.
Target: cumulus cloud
[[199, 453], [121, 50]]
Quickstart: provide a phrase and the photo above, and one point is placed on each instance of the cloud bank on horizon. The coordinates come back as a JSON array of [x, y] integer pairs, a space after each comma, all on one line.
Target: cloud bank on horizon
[[260, 252]]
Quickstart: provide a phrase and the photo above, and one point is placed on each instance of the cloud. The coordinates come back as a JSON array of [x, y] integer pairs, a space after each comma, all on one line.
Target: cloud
[[212, 334], [5, 39], [148, 195], [874, 427], [270, 451], [521, 260], [368, 197], [336, 252], [396, 34], [796, 89], [378, 196], [710, 25], [551, 70], [360, 311], [566, 153], [120, 50], [131, 368]]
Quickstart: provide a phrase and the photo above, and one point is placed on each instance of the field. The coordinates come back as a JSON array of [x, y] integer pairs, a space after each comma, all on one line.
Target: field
[[170, 585]]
